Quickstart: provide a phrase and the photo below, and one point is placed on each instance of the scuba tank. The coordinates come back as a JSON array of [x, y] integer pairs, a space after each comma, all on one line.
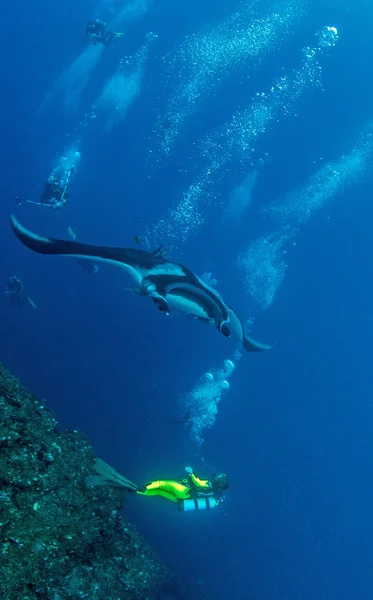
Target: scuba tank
[[197, 504]]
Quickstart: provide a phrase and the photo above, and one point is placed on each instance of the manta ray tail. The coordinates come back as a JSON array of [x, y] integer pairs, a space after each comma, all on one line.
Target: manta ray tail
[[248, 343], [52, 246], [253, 346]]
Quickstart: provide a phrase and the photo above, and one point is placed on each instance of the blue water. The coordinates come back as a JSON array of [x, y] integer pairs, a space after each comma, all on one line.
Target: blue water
[[294, 433]]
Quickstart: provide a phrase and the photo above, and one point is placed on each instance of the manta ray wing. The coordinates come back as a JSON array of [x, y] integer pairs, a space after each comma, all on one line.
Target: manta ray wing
[[164, 281], [43, 245], [137, 263]]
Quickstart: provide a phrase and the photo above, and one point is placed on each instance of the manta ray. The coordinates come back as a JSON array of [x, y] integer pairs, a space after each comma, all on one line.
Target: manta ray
[[166, 282]]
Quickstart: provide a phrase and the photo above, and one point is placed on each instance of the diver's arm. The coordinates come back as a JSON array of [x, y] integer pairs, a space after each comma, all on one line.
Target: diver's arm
[[196, 481], [199, 483]]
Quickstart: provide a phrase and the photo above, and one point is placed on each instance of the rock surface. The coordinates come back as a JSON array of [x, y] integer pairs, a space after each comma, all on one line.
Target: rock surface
[[60, 539]]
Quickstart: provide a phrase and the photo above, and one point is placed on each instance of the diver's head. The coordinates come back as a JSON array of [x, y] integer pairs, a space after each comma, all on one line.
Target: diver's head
[[219, 482]]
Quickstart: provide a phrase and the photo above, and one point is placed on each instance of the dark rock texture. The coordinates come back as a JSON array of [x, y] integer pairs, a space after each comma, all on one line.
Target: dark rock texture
[[60, 539]]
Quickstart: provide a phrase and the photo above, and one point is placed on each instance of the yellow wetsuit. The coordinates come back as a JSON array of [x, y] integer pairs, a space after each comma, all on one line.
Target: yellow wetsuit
[[177, 490]]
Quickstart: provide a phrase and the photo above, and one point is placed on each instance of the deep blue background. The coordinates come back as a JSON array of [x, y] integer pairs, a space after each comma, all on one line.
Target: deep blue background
[[295, 432]]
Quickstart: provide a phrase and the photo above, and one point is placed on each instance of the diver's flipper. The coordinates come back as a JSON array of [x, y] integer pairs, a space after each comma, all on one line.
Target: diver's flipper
[[106, 475]]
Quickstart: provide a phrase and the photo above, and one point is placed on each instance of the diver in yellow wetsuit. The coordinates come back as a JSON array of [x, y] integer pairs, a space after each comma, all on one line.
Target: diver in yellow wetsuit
[[190, 494]]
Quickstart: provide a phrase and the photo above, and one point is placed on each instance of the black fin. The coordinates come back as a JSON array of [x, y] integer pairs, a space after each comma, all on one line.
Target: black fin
[[52, 246], [129, 256]]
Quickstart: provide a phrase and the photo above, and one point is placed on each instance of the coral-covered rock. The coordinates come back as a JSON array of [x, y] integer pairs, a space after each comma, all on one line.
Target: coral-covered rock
[[60, 539]]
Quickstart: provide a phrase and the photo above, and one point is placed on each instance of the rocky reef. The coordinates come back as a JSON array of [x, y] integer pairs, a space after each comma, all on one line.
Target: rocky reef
[[60, 539]]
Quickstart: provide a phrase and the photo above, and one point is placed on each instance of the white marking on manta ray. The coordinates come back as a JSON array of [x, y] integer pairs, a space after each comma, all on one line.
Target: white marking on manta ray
[[203, 295], [137, 273], [186, 305], [134, 272], [167, 268]]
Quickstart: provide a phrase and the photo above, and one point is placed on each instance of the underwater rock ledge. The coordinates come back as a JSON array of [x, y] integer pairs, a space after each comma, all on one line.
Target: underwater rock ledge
[[60, 539]]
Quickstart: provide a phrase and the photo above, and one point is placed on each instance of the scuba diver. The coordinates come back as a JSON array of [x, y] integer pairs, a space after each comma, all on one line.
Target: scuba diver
[[96, 32], [54, 194], [15, 291], [190, 493]]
